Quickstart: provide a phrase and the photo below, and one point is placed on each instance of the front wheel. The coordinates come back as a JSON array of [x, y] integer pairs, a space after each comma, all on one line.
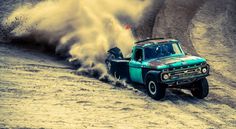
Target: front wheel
[[155, 89], [200, 89]]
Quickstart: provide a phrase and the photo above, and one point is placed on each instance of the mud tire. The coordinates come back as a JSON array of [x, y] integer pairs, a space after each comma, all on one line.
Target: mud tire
[[114, 53], [200, 89], [155, 90]]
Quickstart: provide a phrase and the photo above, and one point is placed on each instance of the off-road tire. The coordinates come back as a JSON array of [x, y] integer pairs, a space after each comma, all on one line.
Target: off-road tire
[[155, 90], [200, 89], [114, 53], [110, 56]]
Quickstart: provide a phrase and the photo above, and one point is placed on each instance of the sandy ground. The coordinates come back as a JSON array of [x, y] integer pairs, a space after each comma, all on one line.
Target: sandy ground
[[41, 91]]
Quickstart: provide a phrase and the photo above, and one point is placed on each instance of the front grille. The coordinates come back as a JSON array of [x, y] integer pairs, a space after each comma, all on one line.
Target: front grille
[[183, 73], [185, 67]]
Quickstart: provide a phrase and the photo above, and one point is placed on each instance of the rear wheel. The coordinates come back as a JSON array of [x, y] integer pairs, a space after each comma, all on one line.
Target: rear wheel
[[110, 57], [200, 89], [117, 76], [114, 53], [155, 89]]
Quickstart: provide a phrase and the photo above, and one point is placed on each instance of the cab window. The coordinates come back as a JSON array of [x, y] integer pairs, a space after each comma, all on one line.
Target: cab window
[[138, 55]]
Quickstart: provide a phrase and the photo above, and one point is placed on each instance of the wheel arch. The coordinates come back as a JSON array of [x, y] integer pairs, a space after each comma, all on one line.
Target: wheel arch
[[153, 73]]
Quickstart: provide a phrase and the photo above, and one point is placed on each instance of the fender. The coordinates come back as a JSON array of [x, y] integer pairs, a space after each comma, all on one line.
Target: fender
[[153, 73]]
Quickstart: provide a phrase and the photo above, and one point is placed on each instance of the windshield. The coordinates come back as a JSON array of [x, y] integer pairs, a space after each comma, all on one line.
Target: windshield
[[162, 50]]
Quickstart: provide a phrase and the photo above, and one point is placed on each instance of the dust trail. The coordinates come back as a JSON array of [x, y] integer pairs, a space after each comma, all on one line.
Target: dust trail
[[82, 29]]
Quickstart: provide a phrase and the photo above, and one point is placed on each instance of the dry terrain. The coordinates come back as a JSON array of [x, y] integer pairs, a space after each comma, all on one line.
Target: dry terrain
[[39, 90]]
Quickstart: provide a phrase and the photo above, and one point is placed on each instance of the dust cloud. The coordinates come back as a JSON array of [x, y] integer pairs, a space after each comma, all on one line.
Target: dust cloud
[[82, 29]]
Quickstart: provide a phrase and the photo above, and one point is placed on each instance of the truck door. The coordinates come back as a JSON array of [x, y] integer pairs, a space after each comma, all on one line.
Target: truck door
[[135, 66]]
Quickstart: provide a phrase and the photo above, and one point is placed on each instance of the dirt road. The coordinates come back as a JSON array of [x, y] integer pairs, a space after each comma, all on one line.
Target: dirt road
[[40, 91]]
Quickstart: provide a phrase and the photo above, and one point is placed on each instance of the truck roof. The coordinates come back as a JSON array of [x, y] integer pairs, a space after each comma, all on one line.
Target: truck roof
[[146, 42]]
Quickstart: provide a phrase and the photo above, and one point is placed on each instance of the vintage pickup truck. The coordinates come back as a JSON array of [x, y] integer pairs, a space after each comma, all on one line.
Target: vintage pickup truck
[[159, 64]]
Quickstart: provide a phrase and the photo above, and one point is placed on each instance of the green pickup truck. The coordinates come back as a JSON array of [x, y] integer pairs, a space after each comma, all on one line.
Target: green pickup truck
[[159, 64]]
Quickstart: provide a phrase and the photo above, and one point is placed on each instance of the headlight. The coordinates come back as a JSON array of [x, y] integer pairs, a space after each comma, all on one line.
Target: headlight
[[166, 76], [204, 70]]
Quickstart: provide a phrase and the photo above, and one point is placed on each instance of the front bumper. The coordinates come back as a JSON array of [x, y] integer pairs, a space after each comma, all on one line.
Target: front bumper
[[184, 81]]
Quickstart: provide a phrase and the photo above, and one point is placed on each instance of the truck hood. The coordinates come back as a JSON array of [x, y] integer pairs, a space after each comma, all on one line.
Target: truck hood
[[174, 62]]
